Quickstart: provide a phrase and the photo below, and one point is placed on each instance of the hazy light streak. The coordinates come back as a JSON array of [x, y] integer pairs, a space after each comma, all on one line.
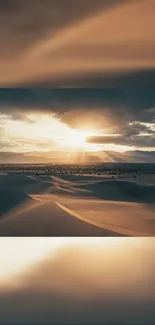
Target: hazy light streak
[[17, 254]]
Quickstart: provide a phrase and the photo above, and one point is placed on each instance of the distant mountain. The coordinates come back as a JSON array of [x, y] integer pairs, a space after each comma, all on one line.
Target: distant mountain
[[76, 157], [129, 156], [20, 158]]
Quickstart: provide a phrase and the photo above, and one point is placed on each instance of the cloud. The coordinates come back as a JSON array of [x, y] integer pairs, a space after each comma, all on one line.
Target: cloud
[[30, 132], [136, 134], [117, 105], [128, 111], [137, 142]]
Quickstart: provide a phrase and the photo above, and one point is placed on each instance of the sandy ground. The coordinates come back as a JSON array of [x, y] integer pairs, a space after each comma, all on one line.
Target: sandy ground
[[76, 206]]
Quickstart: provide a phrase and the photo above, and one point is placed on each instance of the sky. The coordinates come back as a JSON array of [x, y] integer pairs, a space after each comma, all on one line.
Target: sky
[[77, 119], [77, 77], [77, 280]]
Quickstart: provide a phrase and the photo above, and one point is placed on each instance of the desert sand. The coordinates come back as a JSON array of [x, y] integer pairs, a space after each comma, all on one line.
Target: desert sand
[[76, 206]]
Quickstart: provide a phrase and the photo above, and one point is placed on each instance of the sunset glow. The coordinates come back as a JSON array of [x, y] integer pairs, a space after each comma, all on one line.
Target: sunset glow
[[77, 139], [44, 132], [41, 132]]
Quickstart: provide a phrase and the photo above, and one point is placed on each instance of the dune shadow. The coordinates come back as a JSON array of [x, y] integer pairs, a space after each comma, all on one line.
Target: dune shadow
[[106, 189], [15, 190], [118, 190], [11, 200]]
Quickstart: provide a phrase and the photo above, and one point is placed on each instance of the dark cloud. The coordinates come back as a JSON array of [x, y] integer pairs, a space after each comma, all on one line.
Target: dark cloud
[[137, 128], [135, 134], [134, 98], [136, 141], [124, 103], [139, 78]]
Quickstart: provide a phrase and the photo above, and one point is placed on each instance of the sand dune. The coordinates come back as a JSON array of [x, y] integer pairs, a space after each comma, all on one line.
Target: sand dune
[[15, 181], [107, 188], [45, 218], [15, 192], [126, 218], [76, 206], [12, 199], [118, 190]]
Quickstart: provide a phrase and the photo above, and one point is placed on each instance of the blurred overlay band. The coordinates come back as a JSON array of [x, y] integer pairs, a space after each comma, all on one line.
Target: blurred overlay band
[[77, 281]]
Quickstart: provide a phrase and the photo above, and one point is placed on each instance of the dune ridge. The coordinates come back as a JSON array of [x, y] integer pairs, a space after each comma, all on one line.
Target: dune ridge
[[76, 205]]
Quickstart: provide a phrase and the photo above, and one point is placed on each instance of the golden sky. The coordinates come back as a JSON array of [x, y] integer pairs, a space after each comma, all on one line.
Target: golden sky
[[45, 132], [32, 130]]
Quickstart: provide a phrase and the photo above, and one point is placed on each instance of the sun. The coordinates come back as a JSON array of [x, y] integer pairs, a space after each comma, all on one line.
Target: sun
[[77, 138]]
